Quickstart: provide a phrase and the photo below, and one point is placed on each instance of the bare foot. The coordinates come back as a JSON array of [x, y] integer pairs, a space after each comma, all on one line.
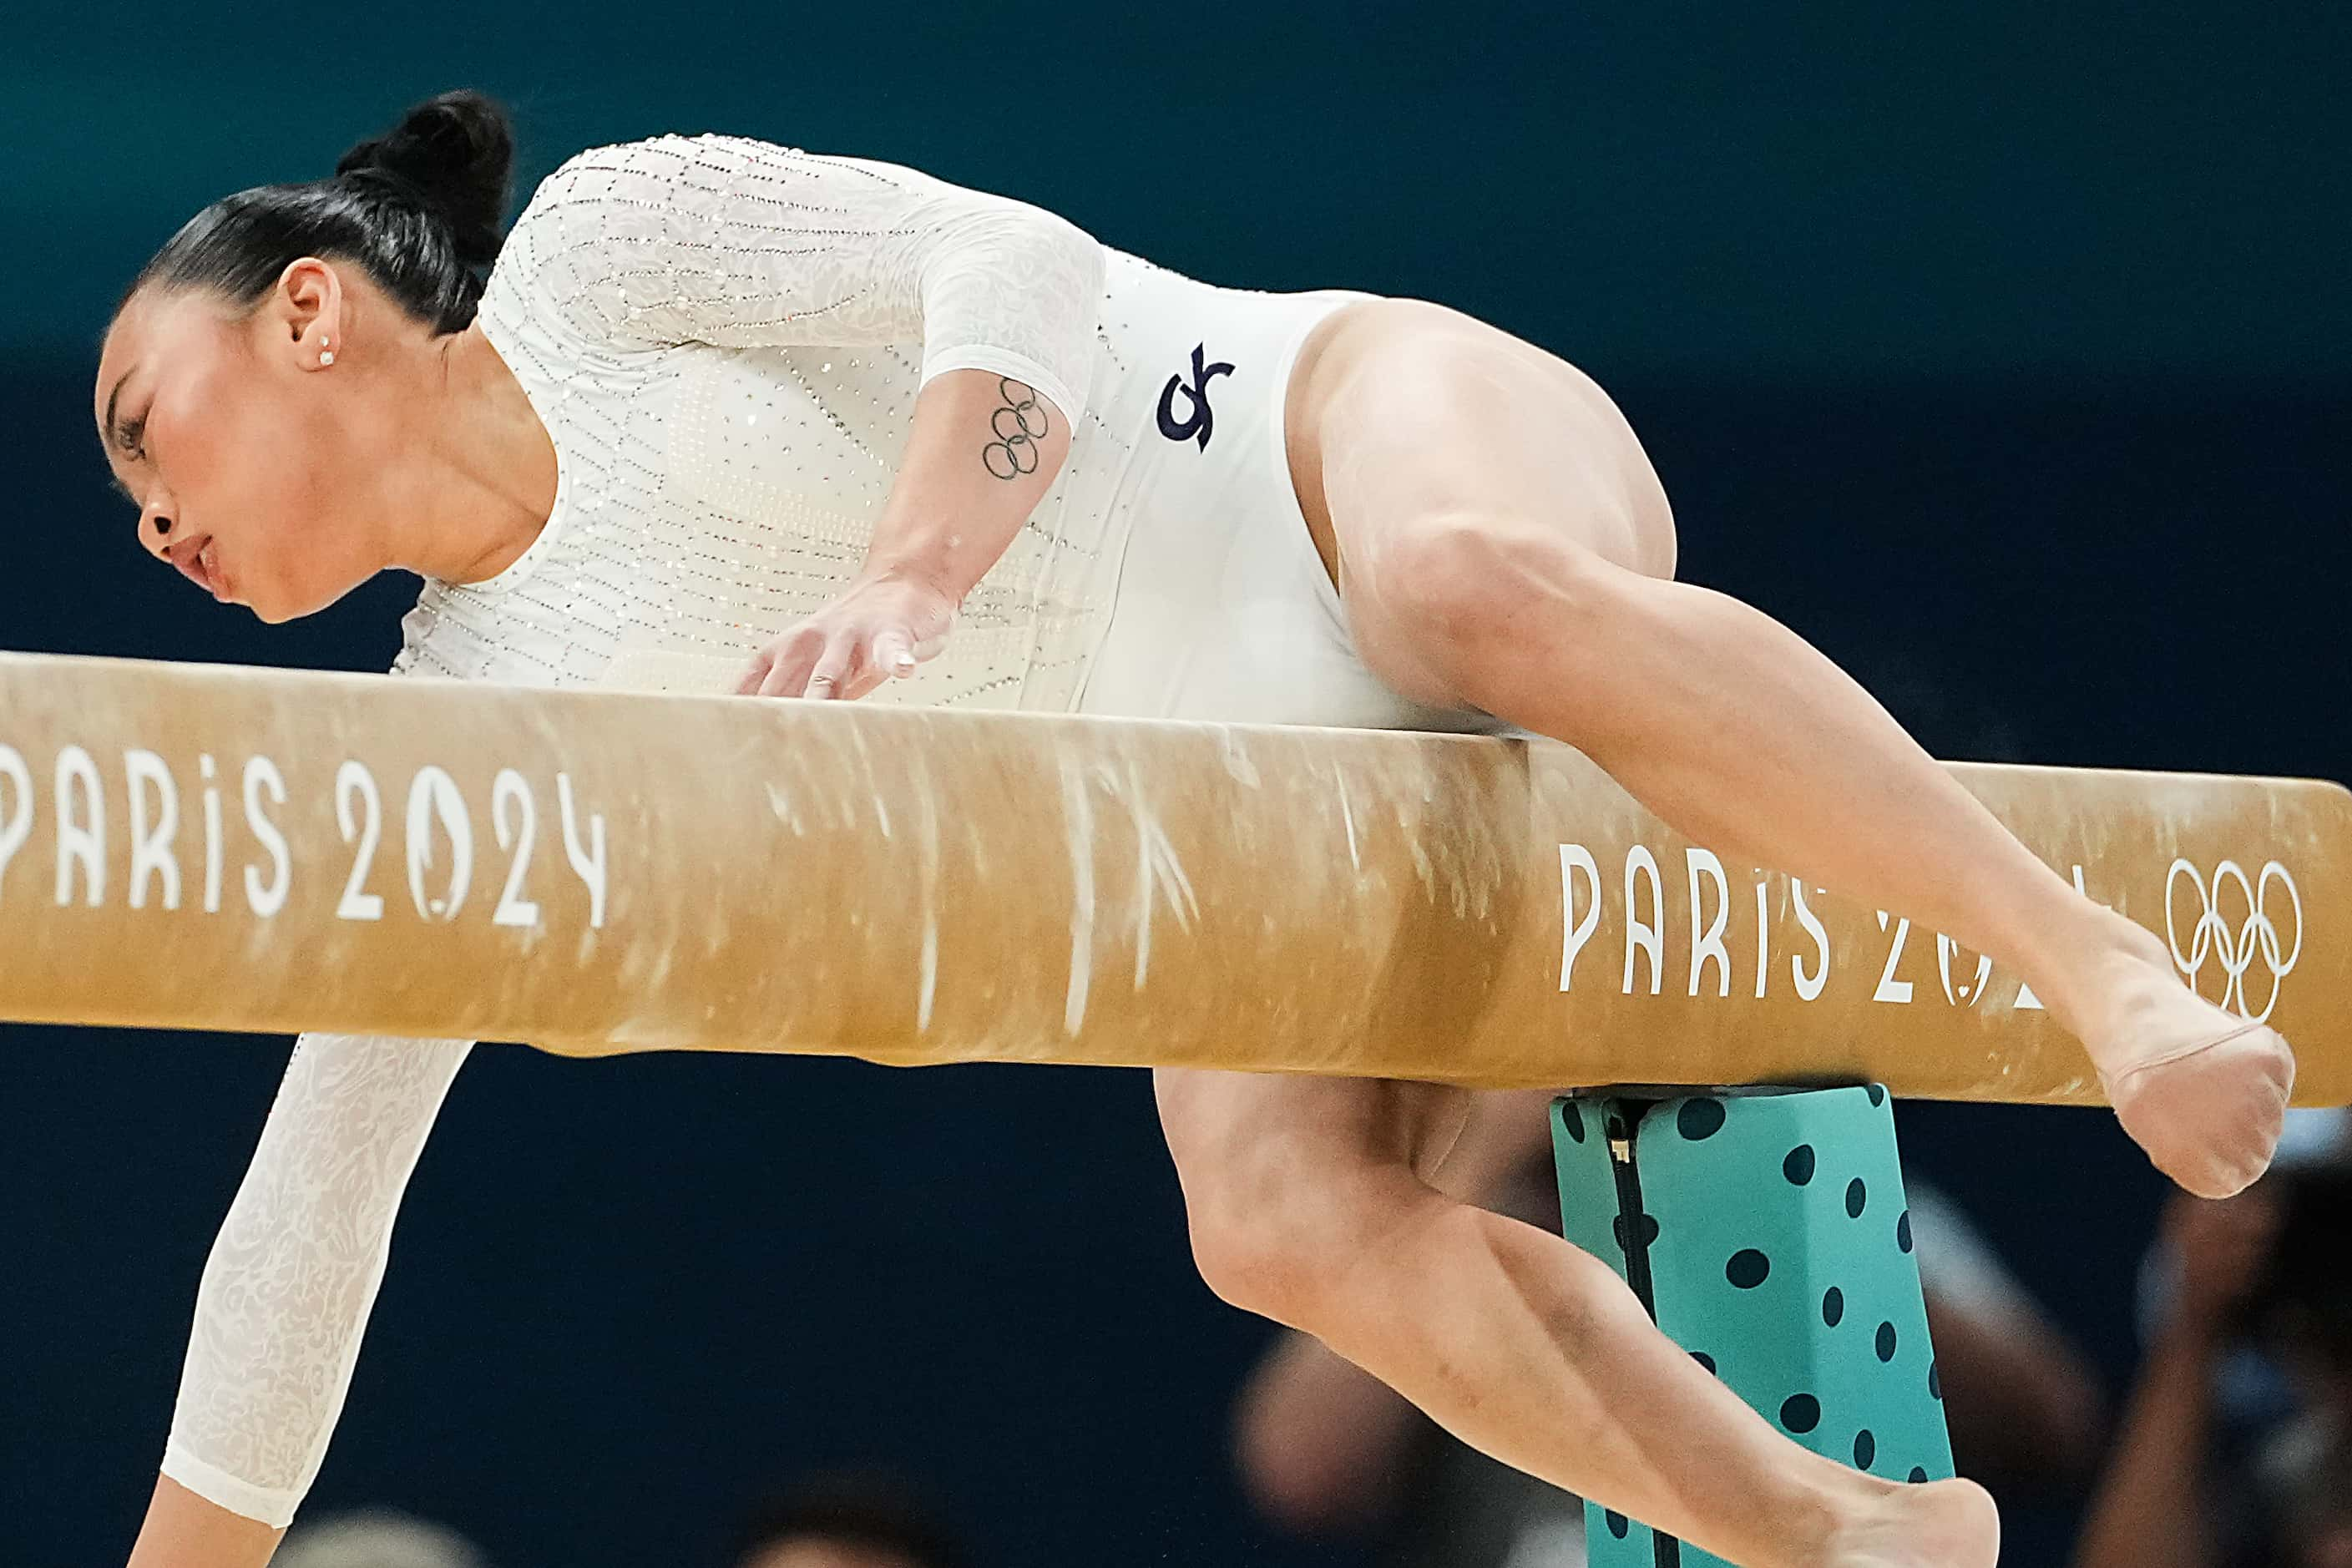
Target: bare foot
[[2203, 1090], [1935, 1524]]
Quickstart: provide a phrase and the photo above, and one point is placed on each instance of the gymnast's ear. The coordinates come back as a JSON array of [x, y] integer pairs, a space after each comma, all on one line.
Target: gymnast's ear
[[304, 313]]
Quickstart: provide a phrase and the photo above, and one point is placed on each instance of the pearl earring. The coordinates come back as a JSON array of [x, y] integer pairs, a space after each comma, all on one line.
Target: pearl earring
[[326, 355]]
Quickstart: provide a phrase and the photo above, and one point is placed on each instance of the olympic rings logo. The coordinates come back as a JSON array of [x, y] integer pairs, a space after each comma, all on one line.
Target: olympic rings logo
[[1015, 451], [2235, 924]]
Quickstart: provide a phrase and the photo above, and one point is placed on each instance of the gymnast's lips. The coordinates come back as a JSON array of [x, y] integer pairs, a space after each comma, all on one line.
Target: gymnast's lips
[[200, 565]]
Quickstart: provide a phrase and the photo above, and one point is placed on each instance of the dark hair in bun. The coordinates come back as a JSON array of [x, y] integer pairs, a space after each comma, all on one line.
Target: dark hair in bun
[[422, 207]]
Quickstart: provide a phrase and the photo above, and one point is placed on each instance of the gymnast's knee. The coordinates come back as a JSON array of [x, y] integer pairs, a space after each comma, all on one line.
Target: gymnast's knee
[[1477, 588], [1285, 1244]]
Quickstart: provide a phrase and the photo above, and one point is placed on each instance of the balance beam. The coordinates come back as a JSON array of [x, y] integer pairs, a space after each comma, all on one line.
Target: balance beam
[[228, 848]]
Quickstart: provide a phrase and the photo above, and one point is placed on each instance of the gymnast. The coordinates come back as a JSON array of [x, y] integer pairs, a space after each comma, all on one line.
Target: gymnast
[[719, 415]]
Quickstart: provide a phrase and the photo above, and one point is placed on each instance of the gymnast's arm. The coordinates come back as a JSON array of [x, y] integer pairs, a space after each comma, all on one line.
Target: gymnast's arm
[[951, 515], [286, 1295], [739, 243]]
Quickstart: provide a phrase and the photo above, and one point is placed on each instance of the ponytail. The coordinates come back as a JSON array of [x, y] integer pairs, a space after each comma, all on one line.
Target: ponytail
[[421, 207]]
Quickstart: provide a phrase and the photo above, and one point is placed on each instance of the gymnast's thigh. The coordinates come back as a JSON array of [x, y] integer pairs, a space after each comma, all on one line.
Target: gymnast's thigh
[[1417, 413], [1283, 1128]]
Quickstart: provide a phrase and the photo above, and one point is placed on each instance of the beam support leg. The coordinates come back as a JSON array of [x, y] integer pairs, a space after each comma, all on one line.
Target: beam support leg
[[1767, 1233]]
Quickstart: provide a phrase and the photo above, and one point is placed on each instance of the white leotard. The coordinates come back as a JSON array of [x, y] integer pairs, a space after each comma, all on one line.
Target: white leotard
[[724, 339]]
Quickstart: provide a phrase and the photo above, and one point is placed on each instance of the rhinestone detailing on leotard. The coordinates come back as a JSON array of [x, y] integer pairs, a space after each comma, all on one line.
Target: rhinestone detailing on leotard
[[725, 339]]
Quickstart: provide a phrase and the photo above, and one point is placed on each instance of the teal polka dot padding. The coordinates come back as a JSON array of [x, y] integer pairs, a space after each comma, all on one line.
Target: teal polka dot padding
[[1768, 1234]]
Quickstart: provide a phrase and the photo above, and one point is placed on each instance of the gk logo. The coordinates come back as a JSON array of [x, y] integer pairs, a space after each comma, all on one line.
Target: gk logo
[[2235, 923], [1199, 425]]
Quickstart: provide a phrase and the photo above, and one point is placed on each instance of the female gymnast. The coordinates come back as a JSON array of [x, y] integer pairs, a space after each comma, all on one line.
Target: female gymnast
[[724, 415]]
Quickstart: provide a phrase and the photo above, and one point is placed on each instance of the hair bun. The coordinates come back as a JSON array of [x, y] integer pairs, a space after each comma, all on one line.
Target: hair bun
[[454, 153]]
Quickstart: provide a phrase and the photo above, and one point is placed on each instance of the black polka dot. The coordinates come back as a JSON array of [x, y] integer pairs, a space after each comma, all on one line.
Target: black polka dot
[[1699, 1119], [1865, 1448], [1617, 1524], [1747, 1269], [1799, 1166], [1573, 1119], [1801, 1412], [1917, 1475], [1832, 1306], [1877, 1093], [1903, 1231], [1886, 1342], [1935, 1382], [1704, 1360], [1856, 1198]]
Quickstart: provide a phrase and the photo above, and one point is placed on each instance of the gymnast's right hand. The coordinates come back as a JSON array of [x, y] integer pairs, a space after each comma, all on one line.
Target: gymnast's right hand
[[883, 625]]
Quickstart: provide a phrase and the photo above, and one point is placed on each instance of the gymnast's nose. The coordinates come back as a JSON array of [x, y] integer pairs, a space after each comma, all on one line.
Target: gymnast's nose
[[156, 527]]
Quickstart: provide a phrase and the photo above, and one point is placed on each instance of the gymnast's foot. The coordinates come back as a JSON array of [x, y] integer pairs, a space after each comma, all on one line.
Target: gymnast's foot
[[1935, 1524], [2201, 1090]]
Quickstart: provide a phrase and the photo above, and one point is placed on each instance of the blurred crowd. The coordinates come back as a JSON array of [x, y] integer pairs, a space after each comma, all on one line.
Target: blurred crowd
[[853, 1520], [2232, 1447]]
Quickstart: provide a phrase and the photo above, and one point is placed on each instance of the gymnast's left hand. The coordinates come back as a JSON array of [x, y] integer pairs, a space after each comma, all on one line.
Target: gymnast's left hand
[[883, 626]]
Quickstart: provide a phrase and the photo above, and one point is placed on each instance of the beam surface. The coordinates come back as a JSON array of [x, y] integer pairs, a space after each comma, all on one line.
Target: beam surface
[[186, 846]]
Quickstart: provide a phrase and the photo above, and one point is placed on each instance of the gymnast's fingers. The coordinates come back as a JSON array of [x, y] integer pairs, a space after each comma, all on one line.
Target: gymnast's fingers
[[894, 654], [755, 672], [835, 669], [789, 659]]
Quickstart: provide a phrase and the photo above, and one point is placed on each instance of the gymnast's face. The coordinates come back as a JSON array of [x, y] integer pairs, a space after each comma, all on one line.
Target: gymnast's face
[[240, 449]]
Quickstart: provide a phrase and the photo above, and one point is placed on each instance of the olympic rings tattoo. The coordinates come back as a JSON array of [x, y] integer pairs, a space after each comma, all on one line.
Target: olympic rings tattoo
[[1015, 451]]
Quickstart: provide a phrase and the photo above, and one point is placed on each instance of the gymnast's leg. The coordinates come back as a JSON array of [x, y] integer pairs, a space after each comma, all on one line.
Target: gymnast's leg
[[1308, 1204], [1501, 543]]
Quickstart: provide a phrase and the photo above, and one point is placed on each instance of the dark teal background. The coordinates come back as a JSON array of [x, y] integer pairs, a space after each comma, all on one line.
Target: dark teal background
[[1713, 187], [2002, 350]]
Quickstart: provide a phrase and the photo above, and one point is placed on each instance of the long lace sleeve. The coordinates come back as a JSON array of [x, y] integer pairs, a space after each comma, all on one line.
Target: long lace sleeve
[[287, 1291], [737, 243]]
